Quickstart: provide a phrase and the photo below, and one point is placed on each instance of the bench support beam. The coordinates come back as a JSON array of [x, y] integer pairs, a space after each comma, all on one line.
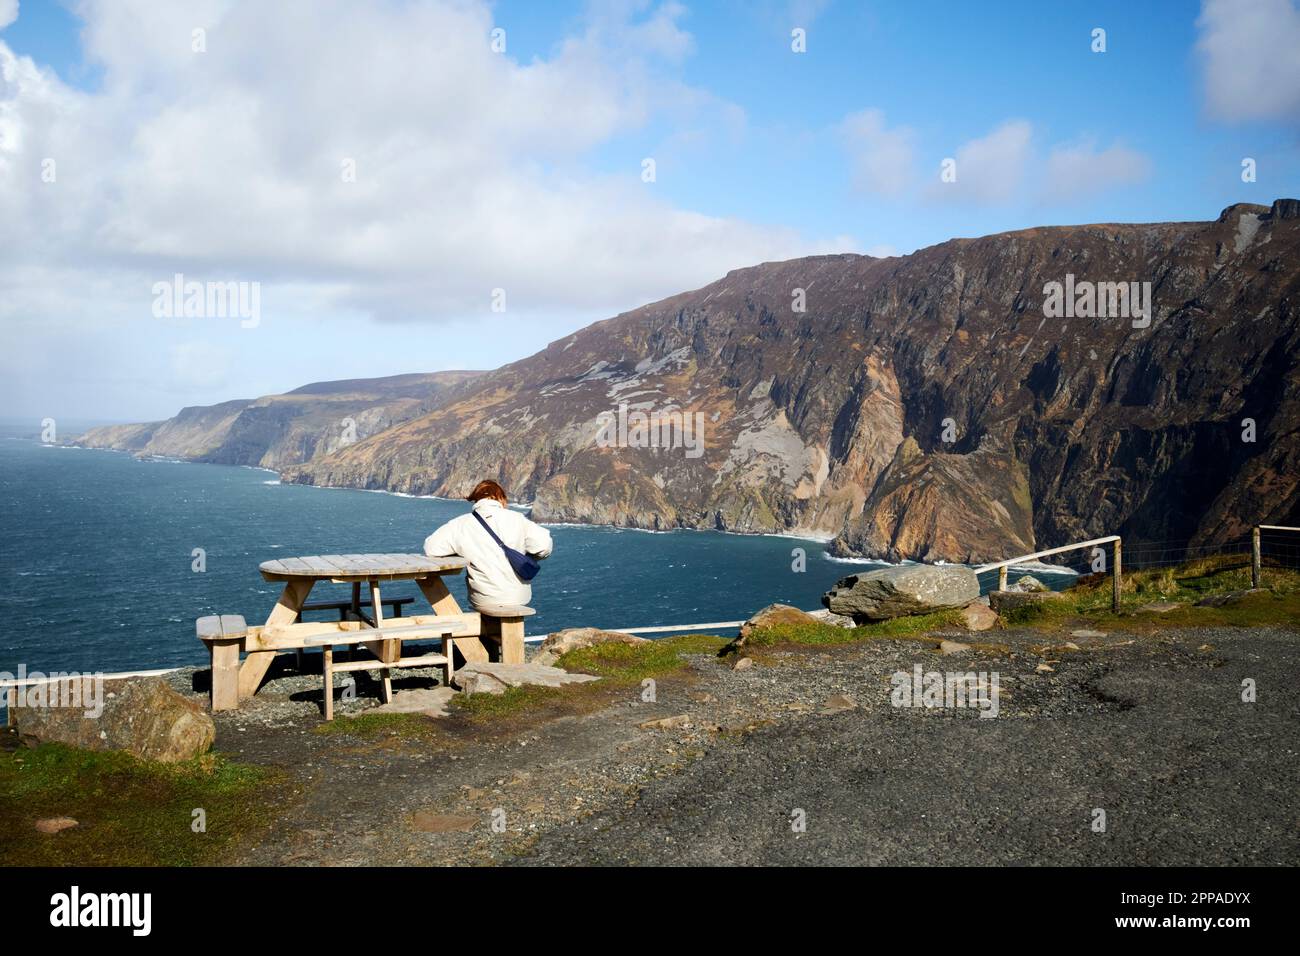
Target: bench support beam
[[471, 648], [285, 611]]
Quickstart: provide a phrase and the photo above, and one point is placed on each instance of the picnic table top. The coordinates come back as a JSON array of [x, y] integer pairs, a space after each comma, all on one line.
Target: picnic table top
[[359, 566]]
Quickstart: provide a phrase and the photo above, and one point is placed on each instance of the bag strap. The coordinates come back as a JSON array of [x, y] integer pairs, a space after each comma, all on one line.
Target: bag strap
[[487, 527]]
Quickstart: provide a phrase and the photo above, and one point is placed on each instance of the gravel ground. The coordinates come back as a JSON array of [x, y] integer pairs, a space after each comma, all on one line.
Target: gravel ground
[[1150, 729]]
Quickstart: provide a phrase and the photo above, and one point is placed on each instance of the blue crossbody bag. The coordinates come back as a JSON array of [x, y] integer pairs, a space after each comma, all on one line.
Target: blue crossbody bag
[[525, 566]]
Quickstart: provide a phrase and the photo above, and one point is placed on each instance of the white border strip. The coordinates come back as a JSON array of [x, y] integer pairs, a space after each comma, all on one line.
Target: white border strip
[[52, 680]]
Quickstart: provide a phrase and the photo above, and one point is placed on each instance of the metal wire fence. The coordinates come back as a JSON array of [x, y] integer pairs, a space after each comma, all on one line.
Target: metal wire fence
[[1279, 547]]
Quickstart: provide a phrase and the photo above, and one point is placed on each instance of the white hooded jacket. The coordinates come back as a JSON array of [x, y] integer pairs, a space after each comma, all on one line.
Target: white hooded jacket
[[490, 578]]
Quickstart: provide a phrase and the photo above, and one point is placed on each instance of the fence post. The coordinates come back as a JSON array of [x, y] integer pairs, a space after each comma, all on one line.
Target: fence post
[[1254, 557], [1115, 577], [1002, 578]]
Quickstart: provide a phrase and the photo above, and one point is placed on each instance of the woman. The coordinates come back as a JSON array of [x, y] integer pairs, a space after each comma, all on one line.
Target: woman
[[490, 577]]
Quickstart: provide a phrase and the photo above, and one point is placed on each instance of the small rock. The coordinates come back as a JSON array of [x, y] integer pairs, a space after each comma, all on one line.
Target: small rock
[[1029, 584], [774, 615], [838, 704], [830, 617], [978, 617], [953, 647], [428, 822], [1045, 668], [1221, 600], [574, 638], [431, 702], [667, 723], [742, 664], [1160, 607], [55, 824]]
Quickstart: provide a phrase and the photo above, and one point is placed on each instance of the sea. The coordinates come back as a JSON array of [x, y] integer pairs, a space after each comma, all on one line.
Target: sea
[[106, 559]]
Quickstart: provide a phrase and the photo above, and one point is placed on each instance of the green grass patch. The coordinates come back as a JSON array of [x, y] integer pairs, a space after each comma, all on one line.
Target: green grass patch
[[1089, 602], [130, 812], [515, 700], [820, 634], [633, 663]]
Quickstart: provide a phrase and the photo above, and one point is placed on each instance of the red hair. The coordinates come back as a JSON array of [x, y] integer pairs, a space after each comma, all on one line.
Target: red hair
[[487, 489]]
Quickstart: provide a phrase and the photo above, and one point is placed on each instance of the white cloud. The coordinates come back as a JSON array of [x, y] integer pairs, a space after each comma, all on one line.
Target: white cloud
[[1248, 51], [882, 158], [990, 169], [1081, 170], [471, 167], [8, 12], [474, 171]]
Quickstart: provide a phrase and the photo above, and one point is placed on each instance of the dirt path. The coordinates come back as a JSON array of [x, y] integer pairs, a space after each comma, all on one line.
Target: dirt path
[[1150, 729]]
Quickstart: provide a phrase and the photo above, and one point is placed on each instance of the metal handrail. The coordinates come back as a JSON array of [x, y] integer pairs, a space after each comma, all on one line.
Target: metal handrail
[[1116, 572]]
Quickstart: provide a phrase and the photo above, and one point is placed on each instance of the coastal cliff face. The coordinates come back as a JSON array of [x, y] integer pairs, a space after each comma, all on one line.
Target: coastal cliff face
[[276, 431], [921, 407]]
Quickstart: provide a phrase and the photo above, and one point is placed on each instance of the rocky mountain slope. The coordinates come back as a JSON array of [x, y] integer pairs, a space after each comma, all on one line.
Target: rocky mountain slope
[[922, 407], [276, 431]]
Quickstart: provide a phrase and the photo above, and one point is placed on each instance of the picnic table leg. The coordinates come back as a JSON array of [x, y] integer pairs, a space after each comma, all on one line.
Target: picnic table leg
[[470, 647], [225, 675], [389, 650], [285, 611], [327, 658]]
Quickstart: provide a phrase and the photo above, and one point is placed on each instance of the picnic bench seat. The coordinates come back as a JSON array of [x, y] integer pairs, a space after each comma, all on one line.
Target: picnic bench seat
[[224, 634]]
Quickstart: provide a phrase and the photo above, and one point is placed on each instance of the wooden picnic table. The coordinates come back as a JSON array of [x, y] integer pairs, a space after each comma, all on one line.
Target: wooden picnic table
[[233, 681]]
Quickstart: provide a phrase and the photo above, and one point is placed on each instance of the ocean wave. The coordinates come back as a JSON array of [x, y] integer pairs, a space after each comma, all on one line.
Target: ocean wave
[[1031, 567], [877, 562]]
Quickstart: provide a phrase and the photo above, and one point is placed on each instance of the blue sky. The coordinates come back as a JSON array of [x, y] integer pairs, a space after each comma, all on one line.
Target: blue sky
[[521, 170]]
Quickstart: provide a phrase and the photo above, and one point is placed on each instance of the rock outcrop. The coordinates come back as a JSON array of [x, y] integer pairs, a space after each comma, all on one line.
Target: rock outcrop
[[498, 678], [142, 716], [902, 591]]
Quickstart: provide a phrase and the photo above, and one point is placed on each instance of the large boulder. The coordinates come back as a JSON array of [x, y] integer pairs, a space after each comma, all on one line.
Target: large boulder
[[900, 591], [143, 716], [574, 638]]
